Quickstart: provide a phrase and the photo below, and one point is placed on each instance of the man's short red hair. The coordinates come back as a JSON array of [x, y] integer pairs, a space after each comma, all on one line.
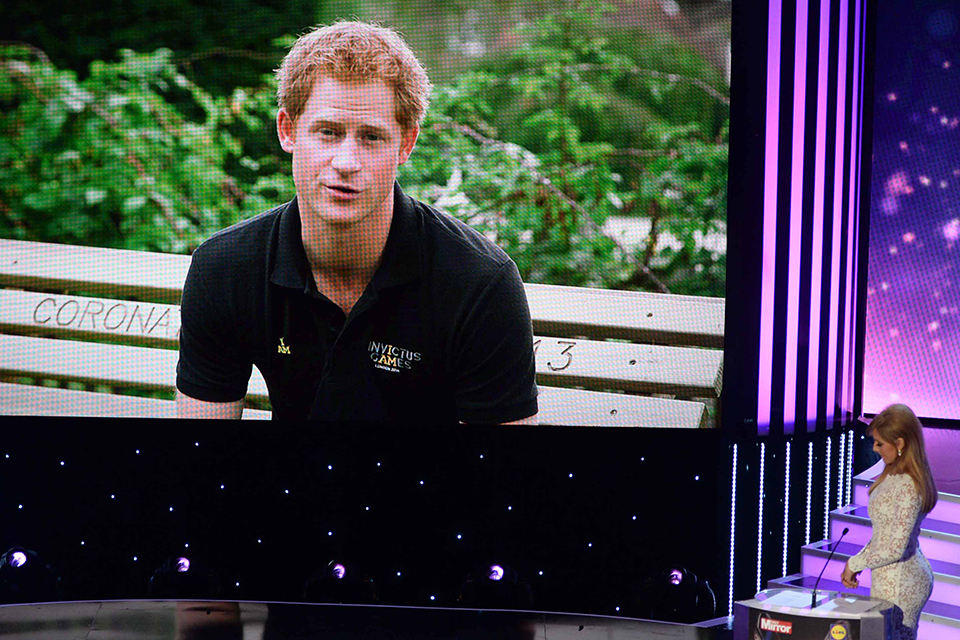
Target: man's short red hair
[[354, 51]]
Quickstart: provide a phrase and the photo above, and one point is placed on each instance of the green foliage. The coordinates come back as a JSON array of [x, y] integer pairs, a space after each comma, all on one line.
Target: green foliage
[[220, 44], [536, 147], [544, 162], [115, 161]]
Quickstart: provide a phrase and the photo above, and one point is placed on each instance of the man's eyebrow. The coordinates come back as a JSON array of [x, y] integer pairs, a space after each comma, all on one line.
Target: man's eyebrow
[[381, 131], [322, 123]]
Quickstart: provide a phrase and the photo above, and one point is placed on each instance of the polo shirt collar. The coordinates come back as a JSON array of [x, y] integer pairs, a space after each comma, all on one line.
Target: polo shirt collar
[[401, 254]]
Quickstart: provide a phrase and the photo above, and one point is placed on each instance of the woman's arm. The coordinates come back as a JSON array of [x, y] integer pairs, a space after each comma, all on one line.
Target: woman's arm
[[892, 529]]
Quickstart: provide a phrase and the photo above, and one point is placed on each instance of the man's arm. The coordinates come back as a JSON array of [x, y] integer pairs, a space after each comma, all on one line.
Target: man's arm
[[188, 407], [213, 364], [495, 360]]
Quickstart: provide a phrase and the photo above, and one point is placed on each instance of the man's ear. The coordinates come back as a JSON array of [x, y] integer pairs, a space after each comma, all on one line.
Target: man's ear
[[286, 130], [408, 142]]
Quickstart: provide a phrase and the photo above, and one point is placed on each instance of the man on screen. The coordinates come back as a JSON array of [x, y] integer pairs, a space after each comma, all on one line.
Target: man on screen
[[355, 301]]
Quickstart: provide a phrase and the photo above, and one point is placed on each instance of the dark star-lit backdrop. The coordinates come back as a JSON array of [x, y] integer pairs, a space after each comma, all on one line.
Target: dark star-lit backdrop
[[913, 299], [581, 515]]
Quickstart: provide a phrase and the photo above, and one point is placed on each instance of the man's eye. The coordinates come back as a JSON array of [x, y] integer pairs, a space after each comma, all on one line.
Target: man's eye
[[373, 137]]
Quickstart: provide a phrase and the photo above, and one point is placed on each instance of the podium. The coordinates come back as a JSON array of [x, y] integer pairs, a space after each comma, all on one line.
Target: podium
[[786, 614]]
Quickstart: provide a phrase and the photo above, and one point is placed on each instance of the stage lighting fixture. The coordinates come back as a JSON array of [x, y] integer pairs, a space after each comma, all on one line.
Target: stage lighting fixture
[[180, 577], [25, 578], [341, 582], [495, 586], [675, 594]]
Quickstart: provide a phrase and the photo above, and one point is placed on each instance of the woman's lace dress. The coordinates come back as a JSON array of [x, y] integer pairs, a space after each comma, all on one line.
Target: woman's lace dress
[[900, 573]]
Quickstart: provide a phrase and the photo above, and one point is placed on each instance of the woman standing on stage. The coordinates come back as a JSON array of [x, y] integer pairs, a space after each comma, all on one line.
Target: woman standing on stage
[[900, 497]]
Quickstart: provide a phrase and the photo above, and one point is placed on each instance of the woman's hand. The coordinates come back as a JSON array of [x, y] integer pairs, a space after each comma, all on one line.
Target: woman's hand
[[849, 578]]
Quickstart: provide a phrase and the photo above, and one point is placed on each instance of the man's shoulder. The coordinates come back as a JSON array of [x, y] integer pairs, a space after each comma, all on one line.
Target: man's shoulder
[[244, 243], [456, 248]]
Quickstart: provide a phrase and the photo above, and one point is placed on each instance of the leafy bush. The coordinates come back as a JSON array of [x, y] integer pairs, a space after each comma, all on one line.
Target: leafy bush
[[536, 147]]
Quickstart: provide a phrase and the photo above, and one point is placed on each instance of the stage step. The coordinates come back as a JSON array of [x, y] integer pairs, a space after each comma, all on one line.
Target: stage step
[[939, 540], [946, 575], [946, 510], [938, 621]]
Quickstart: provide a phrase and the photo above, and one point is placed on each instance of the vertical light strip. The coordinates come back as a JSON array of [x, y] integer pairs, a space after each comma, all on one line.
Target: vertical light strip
[[816, 278], [851, 214], [786, 509], [806, 538], [733, 527], [796, 218], [826, 495], [837, 215], [841, 476], [849, 482], [767, 280], [763, 452]]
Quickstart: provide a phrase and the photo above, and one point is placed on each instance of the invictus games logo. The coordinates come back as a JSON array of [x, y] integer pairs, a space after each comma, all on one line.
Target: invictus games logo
[[391, 357]]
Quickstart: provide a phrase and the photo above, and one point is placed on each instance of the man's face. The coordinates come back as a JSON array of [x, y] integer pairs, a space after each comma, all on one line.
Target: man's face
[[346, 147]]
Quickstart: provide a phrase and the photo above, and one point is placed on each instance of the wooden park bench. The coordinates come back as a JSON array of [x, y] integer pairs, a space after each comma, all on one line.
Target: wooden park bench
[[87, 331]]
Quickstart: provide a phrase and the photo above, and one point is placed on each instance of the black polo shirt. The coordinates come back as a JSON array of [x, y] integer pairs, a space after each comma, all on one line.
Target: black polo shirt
[[441, 334]]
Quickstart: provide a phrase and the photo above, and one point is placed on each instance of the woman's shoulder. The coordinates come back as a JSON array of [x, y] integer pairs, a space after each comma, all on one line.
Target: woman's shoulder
[[902, 482]]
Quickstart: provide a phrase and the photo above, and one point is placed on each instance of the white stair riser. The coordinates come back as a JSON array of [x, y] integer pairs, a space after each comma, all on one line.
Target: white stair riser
[[946, 510], [927, 630], [932, 548], [810, 565]]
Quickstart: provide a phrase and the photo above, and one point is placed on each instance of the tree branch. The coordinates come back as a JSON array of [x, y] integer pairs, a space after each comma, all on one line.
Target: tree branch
[[540, 179], [670, 77]]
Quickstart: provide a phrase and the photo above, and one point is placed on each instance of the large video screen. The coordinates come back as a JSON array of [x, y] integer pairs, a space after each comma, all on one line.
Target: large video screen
[[912, 350], [586, 140]]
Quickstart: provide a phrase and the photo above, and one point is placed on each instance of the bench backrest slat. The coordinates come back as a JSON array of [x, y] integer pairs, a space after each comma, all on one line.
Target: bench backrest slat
[[111, 273], [111, 317], [110, 364], [24, 400], [634, 368], [147, 368], [556, 310]]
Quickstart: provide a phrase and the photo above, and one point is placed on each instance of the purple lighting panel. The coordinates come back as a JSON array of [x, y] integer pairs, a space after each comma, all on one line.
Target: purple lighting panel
[[796, 216], [801, 155], [772, 145], [816, 277], [912, 340], [837, 207], [853, 217]]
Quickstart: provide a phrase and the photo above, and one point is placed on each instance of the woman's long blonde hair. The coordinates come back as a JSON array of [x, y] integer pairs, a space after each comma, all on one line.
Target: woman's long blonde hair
[[898, 421]]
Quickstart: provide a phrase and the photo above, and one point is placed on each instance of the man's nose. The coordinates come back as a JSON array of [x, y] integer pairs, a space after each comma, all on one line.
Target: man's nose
[[346, 158]]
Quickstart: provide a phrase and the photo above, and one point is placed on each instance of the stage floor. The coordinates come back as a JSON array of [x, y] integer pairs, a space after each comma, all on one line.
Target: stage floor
[[208, 620]]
